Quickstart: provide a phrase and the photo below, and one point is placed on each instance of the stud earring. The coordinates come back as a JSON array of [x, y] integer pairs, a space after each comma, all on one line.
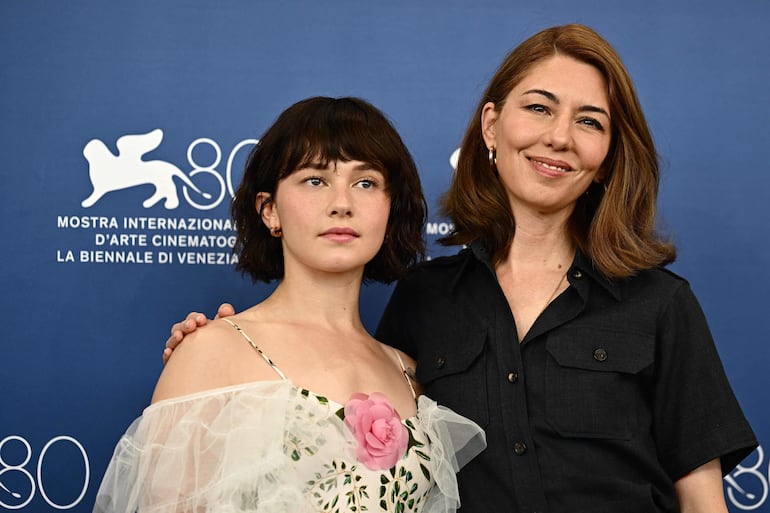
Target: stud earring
[[276, 231]]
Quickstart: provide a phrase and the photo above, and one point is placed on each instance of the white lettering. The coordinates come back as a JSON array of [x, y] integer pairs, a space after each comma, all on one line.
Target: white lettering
[[68, 257], [121, 239], [439, 228], [193, 241], [116, 257], [191, 258], [172, 223], [103, 223]]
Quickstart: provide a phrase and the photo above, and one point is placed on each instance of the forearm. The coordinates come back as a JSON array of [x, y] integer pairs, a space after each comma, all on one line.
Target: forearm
[[701, 490]]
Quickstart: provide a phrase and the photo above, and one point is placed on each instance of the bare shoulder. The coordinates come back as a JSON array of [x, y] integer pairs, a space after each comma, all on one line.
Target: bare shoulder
[[202, 362]]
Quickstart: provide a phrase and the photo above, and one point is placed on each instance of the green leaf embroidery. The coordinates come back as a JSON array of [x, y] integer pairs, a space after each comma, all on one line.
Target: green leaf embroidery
[[338, 480], [412, 440], [425, 471]]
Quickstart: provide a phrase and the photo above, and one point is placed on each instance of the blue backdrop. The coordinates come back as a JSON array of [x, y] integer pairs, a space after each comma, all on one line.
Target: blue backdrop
[[90, 287]]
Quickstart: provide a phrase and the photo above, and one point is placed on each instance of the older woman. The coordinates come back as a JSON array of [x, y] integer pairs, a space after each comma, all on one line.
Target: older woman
[[591, 368]]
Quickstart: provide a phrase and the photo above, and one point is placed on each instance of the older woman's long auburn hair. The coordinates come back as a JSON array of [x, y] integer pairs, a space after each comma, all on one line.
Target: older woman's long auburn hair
[[615, 227]]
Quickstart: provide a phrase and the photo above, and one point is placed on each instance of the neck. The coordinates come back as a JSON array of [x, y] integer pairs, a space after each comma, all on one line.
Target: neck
[[325, 299], [541, 242]]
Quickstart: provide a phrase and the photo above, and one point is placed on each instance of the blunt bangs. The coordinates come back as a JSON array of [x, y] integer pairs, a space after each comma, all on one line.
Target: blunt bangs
[[338, 130]]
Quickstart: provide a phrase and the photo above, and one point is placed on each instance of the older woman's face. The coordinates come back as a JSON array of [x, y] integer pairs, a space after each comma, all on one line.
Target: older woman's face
[[552, 135]]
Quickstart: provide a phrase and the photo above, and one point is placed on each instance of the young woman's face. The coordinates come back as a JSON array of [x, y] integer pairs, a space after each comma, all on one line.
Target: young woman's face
[[552, 134], [333, 218]]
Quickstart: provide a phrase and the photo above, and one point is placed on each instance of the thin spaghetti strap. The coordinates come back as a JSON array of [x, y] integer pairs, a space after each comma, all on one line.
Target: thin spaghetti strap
[[263, 355], [406, 375]]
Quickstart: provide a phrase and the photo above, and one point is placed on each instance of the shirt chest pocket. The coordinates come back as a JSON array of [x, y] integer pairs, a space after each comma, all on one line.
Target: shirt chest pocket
[[451, 367], [596, 383]]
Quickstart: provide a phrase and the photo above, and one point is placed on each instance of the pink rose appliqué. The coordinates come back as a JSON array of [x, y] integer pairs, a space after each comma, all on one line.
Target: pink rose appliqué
[[382, 438]]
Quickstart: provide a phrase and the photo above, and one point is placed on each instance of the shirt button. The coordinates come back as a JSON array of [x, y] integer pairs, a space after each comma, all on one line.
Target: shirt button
[[513, 376], [600, 355], [577, 274], [440, 362], [519, 448]]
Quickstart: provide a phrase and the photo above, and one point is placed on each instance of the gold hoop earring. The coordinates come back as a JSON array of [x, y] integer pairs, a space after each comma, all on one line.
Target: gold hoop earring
[[493, 159], [276, 231]]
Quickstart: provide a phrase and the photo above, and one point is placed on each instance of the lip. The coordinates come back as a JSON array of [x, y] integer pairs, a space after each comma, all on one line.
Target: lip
[[340, 234], [549, 167]]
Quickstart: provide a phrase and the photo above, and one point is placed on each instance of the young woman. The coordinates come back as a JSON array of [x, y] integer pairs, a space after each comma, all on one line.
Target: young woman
[[558, 330], [291, 406]]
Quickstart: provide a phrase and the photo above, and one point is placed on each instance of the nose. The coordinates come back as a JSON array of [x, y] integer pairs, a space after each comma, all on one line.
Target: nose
[[558, 134], [340, 203]]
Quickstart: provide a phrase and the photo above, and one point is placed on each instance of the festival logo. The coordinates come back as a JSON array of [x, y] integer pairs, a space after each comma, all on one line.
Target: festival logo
[[109, 172], [153, 235]]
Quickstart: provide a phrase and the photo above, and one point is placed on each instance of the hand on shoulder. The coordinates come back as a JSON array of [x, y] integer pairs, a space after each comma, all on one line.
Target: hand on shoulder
[[193, 321]]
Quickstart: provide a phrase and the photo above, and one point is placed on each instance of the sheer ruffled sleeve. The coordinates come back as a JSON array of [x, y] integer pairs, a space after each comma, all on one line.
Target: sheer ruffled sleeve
[[455, 441], [218, 451]]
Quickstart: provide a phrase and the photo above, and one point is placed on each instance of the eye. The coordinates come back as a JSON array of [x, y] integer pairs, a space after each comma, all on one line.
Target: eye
[[315, 181], [592, 122], [366, 183], [536, 107]]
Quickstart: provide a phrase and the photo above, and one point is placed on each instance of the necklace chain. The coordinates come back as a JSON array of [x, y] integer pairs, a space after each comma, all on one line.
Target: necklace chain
[[553, 294]]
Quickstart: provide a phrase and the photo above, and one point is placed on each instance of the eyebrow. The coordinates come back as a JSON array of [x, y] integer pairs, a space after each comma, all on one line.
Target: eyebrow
[[554, 99]]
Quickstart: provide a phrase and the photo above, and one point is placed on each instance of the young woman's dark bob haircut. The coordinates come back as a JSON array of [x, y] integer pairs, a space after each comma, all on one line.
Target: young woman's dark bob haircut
[[325, 130]]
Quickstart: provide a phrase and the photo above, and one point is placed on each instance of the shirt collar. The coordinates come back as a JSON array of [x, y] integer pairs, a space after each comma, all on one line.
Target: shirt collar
[[482, 255], [583, 264]]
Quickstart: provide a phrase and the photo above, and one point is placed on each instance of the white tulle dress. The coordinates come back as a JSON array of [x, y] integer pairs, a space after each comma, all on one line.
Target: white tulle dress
[[271, 447]]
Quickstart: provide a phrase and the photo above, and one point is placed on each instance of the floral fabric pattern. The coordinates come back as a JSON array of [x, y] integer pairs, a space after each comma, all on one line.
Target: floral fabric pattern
[[387, 468]]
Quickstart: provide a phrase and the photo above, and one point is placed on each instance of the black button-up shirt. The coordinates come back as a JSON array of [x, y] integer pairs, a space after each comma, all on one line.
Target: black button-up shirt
[[616, 391]]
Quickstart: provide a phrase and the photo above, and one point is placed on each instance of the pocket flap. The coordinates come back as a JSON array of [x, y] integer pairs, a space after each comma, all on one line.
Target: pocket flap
[[602, 350], [444, 354]]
